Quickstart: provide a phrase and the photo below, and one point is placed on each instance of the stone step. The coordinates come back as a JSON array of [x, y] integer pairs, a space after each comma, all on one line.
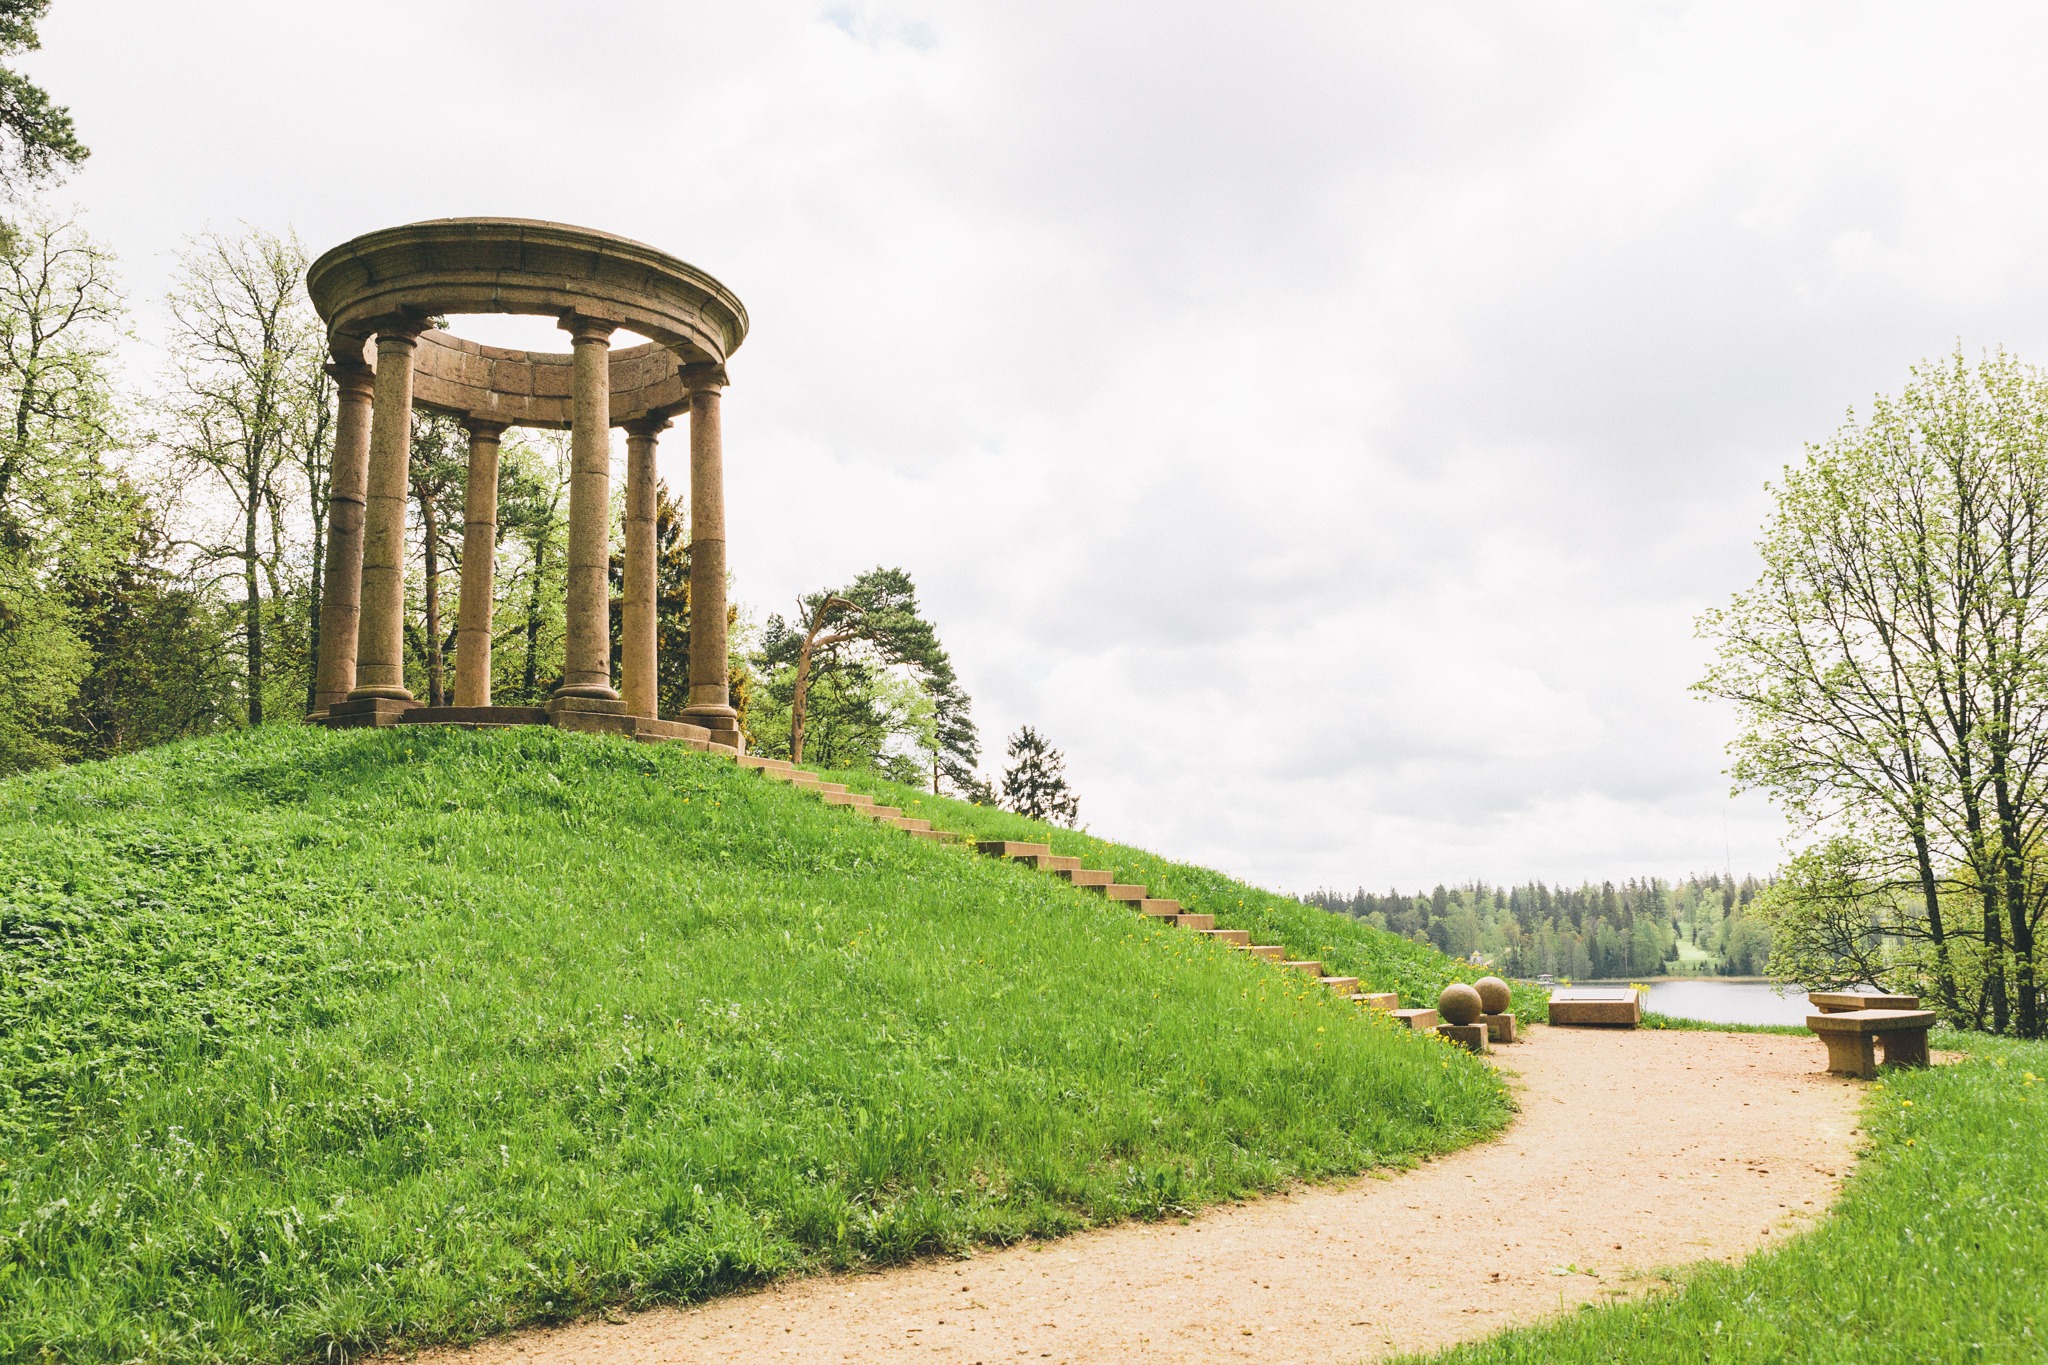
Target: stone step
[[1272, 952], [1378, 1000], [1236, 938], [824, 788], [1010, 848], [1121, 891], [1051, 862], [766, 765], [1159, 907], [1092, 878], [1422, 1021], [1343, 985], [1199, 923], [937, 836], [847, 798], [910, 824], [1312, 968], [882, 812]]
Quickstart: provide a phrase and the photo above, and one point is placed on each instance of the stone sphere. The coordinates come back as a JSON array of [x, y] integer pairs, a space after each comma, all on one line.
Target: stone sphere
[[1493, 994], [1459, 1004]]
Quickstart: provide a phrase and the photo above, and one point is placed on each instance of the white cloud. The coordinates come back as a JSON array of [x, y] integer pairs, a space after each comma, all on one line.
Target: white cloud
[[1323, 421]]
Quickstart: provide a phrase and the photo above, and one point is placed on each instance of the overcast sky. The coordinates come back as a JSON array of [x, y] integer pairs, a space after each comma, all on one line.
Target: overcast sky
[[1323, 421]]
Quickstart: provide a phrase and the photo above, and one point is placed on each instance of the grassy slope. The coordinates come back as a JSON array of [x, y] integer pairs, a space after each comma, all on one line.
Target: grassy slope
[[316, 1041], [1346, 947], [1937, 1252]]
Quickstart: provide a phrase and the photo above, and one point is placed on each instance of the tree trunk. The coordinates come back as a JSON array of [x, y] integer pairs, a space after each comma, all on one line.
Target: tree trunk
[[252, 597], [430, 525], [530, 675]]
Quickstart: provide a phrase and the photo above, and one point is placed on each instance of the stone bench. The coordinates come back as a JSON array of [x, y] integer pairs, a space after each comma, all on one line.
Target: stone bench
[[1609, 1006], [1842, 1002], [1853, 1037]]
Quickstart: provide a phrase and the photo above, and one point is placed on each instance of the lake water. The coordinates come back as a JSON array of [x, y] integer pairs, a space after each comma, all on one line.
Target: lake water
[[1728, 1002]]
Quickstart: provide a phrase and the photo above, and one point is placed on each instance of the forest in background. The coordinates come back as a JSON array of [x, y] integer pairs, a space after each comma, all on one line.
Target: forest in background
[[1702, 926]]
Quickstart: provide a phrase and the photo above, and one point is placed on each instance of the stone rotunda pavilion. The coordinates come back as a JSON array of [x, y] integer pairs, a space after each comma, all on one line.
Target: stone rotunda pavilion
[[377, 295]]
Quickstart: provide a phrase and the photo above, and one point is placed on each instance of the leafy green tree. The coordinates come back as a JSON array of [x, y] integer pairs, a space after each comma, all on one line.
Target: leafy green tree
[[1890, 670], [248, 360], [37, 140], [532, 534], [1035, 782], [439, 472], [832, 685]]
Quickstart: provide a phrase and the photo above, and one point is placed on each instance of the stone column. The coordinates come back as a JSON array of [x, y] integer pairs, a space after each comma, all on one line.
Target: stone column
[[380, 662], [587, 655], [341, 593], [479, 551], [638, 627], [710, 706]]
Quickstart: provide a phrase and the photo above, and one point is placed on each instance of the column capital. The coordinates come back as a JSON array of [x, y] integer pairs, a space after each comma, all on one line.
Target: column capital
[[400, 329], [652, 425], [703, 376], [583, 330], [483, 429], [355, 379]]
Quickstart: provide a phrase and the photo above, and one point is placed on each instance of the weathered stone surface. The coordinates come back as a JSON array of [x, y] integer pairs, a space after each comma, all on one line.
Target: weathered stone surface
[[1420, 1020], [1853, 1036], [1493, 994], [1842, 1002], [1378, 1000], [359, 712], [1611, 1006], [1471, 1037], [1010, 848], [1459, 1004], [1500, 1027], [518, 265]]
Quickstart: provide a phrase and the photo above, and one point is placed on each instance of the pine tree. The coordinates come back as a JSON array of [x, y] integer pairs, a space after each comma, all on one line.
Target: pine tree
[[1035, 783]]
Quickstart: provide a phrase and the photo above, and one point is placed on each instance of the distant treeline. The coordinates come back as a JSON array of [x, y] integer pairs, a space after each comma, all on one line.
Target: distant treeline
[[1643, 927]]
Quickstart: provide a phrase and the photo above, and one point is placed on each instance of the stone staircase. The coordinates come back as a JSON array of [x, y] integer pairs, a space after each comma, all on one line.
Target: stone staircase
[[1069, 870]]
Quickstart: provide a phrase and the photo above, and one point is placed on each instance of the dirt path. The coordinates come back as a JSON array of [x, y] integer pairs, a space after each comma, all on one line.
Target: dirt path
[[1632, 1151]]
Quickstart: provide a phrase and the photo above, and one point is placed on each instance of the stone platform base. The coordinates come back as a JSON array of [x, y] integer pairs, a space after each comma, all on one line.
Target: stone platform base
[[1471, 1037], [1500, 1028], [583, 715]]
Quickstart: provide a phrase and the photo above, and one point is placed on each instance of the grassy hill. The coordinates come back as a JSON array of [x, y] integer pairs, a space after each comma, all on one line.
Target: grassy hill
[[316, 1043]]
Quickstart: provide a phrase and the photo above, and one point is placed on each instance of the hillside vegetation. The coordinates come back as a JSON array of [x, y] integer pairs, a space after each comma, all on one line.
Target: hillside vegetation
[[312, 1044]]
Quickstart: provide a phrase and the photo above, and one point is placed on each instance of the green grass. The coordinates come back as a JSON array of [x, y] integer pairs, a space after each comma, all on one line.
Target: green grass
[[1937, 1252], [1345, 946], [312, 1044]]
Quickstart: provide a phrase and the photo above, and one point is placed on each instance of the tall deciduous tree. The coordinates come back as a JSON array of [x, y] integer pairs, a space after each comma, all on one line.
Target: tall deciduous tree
[[1035, 783], [1891, 671], [248, 366]]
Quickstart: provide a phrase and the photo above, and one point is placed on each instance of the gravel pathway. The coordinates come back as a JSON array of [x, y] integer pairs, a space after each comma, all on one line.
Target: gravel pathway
[[1633, 1151]]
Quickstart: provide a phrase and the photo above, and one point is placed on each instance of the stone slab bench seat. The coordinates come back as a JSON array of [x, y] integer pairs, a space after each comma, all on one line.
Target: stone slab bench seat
[[1608, 1006], [1854, 1036], [1842, 1002]]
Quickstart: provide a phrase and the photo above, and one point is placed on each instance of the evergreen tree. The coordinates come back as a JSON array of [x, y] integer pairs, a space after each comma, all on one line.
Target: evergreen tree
[[1035, 783]]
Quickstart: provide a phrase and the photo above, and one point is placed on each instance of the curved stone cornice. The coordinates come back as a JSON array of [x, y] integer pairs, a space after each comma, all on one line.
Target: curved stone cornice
[[519, 265]]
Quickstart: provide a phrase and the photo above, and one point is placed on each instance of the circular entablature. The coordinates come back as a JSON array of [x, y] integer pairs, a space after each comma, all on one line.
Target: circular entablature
[[517, 265], [462, 378]]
